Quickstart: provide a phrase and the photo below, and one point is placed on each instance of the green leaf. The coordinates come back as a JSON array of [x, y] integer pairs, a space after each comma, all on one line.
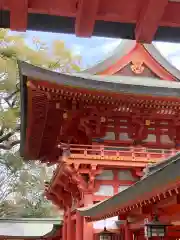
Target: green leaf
[[24, 181], [75, 67], [8, 118]]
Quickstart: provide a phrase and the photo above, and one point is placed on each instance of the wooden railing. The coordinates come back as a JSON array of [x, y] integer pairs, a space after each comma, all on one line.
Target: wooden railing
[[98, 152]]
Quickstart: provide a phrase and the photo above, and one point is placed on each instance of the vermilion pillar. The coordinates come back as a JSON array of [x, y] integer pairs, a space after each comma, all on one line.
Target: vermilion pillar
[[88, 233], [128, 234], [88, 227], [69, 225], [79, 226], [64, 229]]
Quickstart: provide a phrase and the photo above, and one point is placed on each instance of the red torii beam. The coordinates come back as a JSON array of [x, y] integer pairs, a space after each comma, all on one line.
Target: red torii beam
[[86, 17], [18, 14], [149, 19]]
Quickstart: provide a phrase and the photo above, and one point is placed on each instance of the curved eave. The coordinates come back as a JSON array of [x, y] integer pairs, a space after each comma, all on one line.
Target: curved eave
[[120, 51], [53, 231], [123, 49], [57, 172], [158, 182], [111, 84], [154, 52], [47, 228]]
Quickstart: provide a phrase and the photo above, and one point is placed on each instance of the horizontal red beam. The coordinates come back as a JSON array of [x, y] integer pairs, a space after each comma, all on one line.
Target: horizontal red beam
[[68, 8], [108, 11], [18, 14], [149, 20], [86, 16], [120, 164]]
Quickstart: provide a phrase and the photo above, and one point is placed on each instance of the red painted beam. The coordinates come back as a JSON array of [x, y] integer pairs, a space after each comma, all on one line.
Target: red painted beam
[[18, 14], [85, 18], [150, 17]]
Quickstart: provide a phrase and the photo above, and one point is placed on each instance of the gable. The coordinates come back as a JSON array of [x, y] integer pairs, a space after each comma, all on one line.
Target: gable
[[139, 62], [136, 69], [135, 59]]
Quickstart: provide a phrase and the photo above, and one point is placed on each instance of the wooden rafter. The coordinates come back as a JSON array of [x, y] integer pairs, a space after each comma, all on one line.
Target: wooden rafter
[[149, 19], [86, 16], [18, 14]]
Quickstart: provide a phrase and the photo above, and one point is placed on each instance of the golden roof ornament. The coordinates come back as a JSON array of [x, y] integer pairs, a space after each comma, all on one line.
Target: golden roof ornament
[[137, 67]]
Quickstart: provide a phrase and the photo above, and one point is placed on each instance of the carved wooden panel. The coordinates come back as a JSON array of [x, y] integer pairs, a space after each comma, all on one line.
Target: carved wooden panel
[[136, 69], [136, 130]]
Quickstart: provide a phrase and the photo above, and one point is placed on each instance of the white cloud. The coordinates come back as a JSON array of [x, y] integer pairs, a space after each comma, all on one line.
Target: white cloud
[[167, 49], [109, 47], [171, 51], [77, 49]]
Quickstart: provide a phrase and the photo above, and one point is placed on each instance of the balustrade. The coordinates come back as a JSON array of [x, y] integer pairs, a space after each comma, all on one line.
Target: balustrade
[[118, 153]]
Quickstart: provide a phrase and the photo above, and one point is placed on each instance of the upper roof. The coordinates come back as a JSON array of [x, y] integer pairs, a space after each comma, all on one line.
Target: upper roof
[[164, 178], [158, 20], [39, 87], [129, 50]]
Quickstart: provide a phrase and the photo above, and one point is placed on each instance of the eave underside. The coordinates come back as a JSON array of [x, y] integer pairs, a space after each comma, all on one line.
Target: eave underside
[[111, 84], [162, 182]]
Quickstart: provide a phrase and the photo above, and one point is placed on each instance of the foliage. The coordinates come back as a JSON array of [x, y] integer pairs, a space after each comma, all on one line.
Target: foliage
[[22, 184], [21, 188]]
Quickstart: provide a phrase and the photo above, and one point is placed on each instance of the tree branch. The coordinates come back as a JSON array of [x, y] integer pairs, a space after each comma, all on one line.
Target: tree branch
[[10, 134], [9, 97], [2, 130], [8, 146]]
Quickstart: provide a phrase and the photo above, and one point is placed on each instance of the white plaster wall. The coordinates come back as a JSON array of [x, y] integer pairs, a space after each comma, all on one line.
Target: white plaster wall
[[109, 223], [105, 175], [109, 136], [105, 190], [125, 175], [123, 136]]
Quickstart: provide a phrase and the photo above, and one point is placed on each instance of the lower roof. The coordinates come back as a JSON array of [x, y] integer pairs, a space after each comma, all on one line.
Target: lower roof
[[159, 181], [117, 84], [29, 227]]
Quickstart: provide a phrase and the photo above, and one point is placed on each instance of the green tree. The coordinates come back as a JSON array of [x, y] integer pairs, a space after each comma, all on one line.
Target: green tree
[[22, 184]]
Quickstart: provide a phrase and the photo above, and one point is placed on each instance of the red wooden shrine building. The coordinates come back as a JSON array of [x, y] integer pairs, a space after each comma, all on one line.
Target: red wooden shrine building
[[102, 128], [156, 193], [143, 20]]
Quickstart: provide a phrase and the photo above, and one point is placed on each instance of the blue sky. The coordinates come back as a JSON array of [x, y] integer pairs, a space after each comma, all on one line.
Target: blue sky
[[92, 49], [96, 49]]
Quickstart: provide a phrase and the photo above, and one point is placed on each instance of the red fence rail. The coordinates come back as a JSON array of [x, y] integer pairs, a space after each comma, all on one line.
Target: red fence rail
[[98, 152]]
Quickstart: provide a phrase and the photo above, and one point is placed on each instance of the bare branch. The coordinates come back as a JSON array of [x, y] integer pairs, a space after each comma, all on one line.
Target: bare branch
[[8, 146], [10, 134], [2, 130], [9, 97]]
